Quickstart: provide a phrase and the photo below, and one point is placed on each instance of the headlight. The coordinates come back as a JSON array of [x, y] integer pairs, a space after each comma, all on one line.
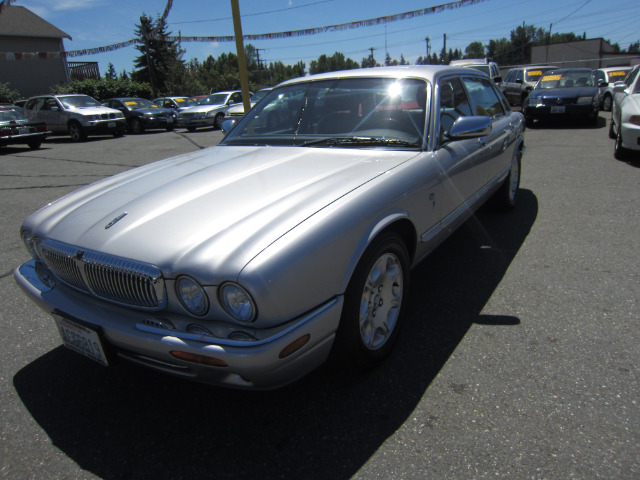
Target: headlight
[[192, 296], [585, 100], [91, 118], [634, 119], [211, 113], [535, 101], [29, 243], [237, 302]]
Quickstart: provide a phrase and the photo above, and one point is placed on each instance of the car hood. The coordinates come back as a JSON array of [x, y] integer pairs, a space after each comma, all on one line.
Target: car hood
[[92, 110], [212, 210], [203, 108], [566, 92]]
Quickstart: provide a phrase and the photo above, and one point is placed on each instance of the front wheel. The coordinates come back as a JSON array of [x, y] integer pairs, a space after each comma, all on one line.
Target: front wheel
[[506, 197], [35, 144], [76, 132], [136, 126], [374, 304], [606, 103], [619, 152], [217, 121]]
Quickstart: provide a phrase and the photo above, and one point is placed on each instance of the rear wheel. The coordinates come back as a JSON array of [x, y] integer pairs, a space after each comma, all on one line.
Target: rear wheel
[[606, 103], [76, 132], [374, 304], [612, 133]]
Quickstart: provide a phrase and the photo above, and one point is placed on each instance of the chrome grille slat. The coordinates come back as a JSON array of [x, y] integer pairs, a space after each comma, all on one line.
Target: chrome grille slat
[[105, 276]]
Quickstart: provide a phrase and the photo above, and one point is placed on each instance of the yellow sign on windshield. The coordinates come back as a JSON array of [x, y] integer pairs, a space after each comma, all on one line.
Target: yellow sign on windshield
[[617, 74], [179, 100], [130, 103], [548, 78], [534, 73]]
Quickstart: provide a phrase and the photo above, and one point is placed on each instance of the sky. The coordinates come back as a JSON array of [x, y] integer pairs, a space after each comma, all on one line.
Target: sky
[[100, 23]]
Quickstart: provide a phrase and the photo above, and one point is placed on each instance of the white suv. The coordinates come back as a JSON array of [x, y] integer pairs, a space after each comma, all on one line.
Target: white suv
[[211, 111], [482, 64], [75, 115]]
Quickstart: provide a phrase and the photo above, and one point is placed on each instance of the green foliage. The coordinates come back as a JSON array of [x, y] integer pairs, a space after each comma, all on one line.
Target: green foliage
[[334, 63], [103, 88], [7, 95]]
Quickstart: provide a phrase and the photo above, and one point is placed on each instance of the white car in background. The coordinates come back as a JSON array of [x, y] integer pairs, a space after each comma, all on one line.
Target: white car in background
[[625, 115], [237, 111], [211, 111], [611, 75]]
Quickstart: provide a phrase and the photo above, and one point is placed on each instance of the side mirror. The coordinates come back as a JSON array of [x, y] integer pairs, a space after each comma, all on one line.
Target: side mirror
[[497, 79], [603, 84], [228, 125], [470, 127]]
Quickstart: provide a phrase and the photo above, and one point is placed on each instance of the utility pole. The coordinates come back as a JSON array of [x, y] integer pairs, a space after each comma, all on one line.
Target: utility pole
[[373, 62], [242, 62], [428, 40], [444, 50]]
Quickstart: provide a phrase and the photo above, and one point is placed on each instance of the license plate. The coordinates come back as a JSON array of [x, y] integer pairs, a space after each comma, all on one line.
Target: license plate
[[23, 130], [170, 120], [557, 109], [111, 125], [81, 339]]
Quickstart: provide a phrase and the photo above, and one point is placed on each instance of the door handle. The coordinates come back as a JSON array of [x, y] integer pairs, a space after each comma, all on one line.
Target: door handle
[[482, 142]]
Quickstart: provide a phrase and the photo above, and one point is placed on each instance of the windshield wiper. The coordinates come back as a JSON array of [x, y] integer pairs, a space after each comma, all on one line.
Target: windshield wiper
[[359, 141]]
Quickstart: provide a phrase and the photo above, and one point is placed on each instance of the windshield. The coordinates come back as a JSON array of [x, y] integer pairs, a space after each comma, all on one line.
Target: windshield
[[617, 75], [259, 95], [135, 103], [79, 101], [215, 99], [349, 112], [567, 79], [9, 115], [482, 68]]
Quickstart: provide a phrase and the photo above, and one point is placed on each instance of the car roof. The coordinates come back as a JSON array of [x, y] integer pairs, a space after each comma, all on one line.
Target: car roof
[[426, 72], [614, 69]]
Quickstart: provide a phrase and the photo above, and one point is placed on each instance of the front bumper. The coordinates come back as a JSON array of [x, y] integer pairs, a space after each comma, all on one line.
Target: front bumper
[[138, 336], [195, 122], [24, 138], [542, 112], [97, 127], [630, 133]]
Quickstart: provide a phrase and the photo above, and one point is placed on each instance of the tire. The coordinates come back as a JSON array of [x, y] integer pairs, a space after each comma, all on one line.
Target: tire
[[507, 196], [217, 121], [191, 129], [606, 103], [619, 152], [612, 133], [76, 132], [528, 122], [169, 129], [135, 126], [374, 304], [35, 144]]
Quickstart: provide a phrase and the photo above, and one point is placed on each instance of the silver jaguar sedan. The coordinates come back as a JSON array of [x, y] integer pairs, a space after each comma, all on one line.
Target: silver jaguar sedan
[[250, 263]]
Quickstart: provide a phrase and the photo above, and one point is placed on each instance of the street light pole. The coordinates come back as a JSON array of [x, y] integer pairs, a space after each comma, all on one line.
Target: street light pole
[[242, 64]]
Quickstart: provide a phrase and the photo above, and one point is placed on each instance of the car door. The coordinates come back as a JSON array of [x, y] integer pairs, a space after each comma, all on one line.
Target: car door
[[462, 161], [485, 100]]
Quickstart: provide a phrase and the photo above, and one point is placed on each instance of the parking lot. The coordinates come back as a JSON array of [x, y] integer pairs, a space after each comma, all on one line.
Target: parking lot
[[519, 359]]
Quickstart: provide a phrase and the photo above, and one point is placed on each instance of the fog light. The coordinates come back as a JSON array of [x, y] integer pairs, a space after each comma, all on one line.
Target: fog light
[[201, 359], [294, 346]]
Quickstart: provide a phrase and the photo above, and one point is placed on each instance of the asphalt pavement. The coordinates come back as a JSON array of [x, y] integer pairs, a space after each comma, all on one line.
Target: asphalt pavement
[[519, 360]]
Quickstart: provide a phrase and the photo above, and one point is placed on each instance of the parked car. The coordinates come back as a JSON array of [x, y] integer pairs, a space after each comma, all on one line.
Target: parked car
[[75, 115], [625, 115], [143, 115], [237, 111], [249, 263], [12, 106], [482, 64], [210, 112], [199, 98], [519, 81], [15, 129], [176, 103], [565, 93], [609, 75]]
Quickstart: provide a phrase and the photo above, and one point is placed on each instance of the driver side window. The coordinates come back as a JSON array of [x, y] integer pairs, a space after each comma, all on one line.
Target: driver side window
[[453, 103]]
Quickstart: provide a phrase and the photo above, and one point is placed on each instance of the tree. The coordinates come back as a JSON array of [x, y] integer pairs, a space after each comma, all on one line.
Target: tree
[[634, 47], [111, 72], [160, 62], [331, 64], [369, 61], [474, 50]]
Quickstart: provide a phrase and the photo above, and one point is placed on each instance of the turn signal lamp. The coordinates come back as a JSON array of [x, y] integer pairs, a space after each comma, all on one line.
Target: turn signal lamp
[[201, 359]]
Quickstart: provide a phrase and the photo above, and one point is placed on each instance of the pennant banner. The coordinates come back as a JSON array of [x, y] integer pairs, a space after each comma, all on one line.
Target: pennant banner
[[293, 33]]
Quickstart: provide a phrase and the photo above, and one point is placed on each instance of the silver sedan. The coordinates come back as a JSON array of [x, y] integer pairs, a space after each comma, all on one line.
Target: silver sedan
[[250, 263]]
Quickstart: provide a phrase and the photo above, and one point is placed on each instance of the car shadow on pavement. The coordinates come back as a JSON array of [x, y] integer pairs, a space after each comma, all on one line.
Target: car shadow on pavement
[[129, 422]]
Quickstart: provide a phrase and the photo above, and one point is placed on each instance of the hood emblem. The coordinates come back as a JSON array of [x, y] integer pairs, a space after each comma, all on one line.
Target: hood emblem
[[559, 101], [115, 220]]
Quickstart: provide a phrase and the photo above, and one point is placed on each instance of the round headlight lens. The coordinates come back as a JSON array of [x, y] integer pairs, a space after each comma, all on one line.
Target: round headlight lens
[[29, 243], [192, 296], [237, 302]]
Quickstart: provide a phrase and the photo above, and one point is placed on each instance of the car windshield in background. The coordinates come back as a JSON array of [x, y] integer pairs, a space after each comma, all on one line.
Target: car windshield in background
[[79, 101], [135, 103], [349, 112], [9, 115], [566, 80], [259, 95], [215, 99]]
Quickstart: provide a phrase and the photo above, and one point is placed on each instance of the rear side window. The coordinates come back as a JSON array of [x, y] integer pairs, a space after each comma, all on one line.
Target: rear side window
[[484, 98]]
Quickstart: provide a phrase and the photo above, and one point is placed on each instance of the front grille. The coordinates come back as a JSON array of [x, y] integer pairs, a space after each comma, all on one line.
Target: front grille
[[187, 115], [553, 101], [105, 276]]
